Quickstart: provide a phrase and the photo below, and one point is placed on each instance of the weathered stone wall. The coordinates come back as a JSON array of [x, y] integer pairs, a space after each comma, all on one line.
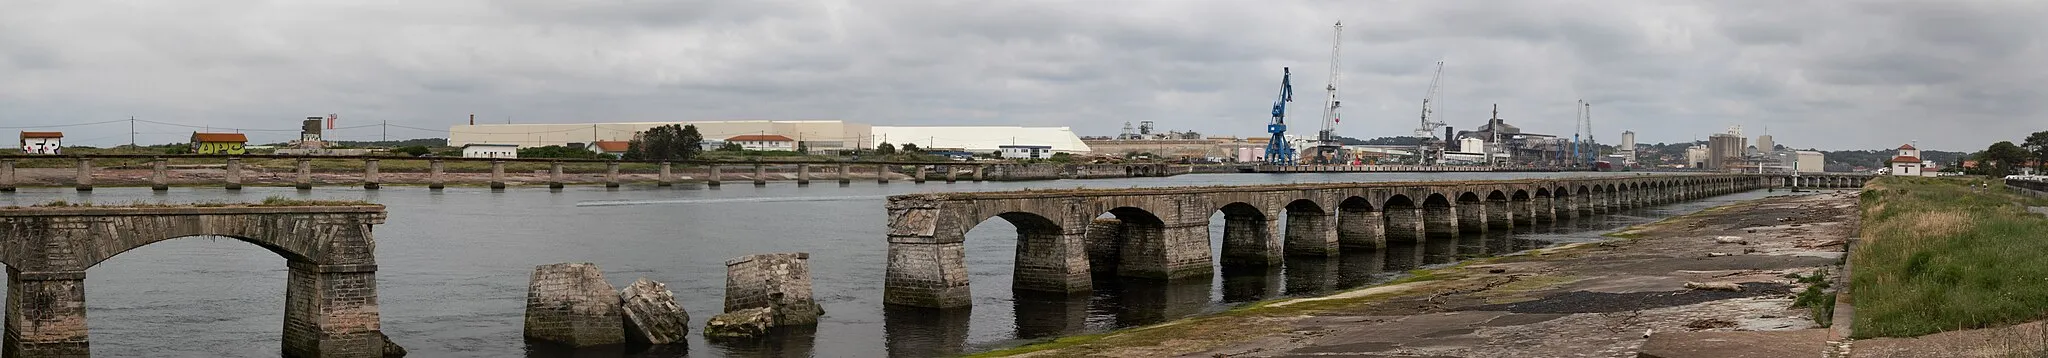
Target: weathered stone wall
[[1311, 233], [571, 304], [1405, 225], [1498, 215], [1442, 221], [652, 315], [1104, 238], [1361, 229], [780, 282]]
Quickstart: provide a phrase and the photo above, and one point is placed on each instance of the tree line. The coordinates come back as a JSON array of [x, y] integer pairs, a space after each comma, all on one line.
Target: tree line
[[2008, 158]]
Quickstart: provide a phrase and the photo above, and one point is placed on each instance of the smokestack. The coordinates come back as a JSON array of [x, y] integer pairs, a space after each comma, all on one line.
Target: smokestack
[[1450, 143], [472, 119]]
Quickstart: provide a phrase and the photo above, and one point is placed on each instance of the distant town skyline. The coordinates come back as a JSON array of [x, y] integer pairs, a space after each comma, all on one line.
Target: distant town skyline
[[1835, 76]]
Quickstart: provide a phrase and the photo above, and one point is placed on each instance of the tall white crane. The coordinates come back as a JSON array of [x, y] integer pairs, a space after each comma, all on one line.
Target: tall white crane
[[1428, 128], [1328, 150]]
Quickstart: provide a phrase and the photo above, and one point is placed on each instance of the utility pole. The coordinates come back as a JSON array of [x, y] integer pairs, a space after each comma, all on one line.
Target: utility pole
[[131, 131], [386, 135]]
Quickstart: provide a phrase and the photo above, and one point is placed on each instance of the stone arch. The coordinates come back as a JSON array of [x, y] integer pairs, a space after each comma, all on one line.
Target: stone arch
[[1247, 236], [1311, 230], [1141, 243], [1044, 261], [331, 297], [1470, 211], [1521, 208], [1359, 226]]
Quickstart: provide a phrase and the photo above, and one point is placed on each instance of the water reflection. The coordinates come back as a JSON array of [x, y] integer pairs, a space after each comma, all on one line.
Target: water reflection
[[1147, 301], [1472, 244], [1439, 249], [1310, 275], [1361, 268], [1403, 256], [1250, 283], [925, 332], [1051, 314], [792, 341]]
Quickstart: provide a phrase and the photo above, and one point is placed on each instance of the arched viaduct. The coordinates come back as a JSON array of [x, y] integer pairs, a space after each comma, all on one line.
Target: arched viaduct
[[330, 293], [1164, 232]]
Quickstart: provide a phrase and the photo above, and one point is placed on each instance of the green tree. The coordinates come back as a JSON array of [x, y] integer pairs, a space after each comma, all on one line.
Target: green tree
[[2037, 144], [633, 150], [885, 149], [911, 148], [2002, 158], [803, 148], [412, 150], [732, 147], [691, 142]]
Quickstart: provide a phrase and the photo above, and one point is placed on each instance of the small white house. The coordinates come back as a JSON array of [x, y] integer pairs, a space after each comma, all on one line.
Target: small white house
[[1908, 162], [42, 142], [487, 150], [1026, 151], [764, 142]]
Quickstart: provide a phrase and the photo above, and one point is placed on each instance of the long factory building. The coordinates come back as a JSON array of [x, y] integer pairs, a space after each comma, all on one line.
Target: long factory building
[[824, 135]]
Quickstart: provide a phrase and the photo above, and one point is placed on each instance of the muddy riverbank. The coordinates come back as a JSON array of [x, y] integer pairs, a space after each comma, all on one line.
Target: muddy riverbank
[[1599, 299]]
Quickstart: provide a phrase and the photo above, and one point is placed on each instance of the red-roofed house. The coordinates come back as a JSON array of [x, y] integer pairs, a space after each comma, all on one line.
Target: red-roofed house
[[614, 147], [219, 143], [763, 142], [1908, 162]]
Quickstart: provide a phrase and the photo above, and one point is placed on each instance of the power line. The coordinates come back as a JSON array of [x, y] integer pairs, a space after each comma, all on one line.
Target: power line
[[64, 125]]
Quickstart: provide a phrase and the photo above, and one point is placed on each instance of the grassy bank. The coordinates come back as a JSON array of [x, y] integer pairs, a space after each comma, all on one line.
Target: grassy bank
[[1946, 254]]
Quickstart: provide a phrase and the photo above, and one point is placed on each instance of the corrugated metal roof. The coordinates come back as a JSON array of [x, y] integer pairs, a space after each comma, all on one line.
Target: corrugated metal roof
[[759, 138], [982, 138], [219, 137]]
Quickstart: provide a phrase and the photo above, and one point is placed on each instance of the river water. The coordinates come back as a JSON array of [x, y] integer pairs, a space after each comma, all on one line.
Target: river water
[[454, 264]]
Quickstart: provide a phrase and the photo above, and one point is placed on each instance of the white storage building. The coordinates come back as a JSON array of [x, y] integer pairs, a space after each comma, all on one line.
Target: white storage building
[[983, 139]]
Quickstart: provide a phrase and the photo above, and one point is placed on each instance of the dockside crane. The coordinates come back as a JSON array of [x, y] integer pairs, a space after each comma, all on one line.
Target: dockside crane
[[1277, 150], [1430, 144], [1328, 150]]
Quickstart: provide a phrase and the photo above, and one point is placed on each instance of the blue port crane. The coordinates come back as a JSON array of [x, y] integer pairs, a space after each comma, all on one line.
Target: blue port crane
[[1277, 150]]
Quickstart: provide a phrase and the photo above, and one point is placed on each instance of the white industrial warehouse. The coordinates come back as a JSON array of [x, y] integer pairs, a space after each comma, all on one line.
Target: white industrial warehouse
[[814, 134]]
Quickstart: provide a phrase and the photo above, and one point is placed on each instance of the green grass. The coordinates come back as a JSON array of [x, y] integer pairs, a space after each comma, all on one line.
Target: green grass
[[1939, 255]]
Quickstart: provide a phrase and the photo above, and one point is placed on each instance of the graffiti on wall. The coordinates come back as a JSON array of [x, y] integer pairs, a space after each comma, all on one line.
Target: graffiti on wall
[[219, 148]]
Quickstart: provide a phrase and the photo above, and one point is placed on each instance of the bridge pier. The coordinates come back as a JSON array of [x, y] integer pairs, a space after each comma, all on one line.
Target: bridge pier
[[1311, 232], [331, 311], [1596, 204], [1543, 210], [6, 175], [882, 174], [46, 314], [803, 174], [234, 174], [1498, 216], [555, 175], [1471, 217], [712, 175], [1053, 259], [84, 181], [845, 174], [1360, 229], [611, 174], [760, 175], [667, 176], [919, 177], [1440, 221], [1248, 240], [1524, 214], [434, 181], [497, 174], [951, 175], [303, 170], [159, 175], [978, 172], [371, 180], [1405, 225]]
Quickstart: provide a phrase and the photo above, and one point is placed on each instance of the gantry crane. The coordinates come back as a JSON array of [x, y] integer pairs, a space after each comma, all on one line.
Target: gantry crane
[[1328, 150], [1431, 148], [1277, 150]]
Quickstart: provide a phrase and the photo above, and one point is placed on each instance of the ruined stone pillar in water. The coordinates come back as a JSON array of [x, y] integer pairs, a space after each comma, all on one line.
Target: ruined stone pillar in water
[[304, 180], [6, 175], [951, 175], [497, 175], [803, 174], [555, 175], [779, 282], [760, 175], [667, 176], [845, 174], [434, 180], [234, 174], [572, 304], [882, 174], [978, 170], [919, 177], [370, 177], [331, 311], [712, 176], [46, 314], [611, 174], [84, 180], [159, 175]]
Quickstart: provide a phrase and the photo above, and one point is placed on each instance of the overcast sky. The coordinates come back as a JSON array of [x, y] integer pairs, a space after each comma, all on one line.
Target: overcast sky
[[1954, 75]]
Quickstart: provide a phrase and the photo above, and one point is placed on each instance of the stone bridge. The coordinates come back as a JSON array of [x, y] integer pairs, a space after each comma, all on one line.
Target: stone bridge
[[330, 293], [1822, 180], [1164, 232]]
